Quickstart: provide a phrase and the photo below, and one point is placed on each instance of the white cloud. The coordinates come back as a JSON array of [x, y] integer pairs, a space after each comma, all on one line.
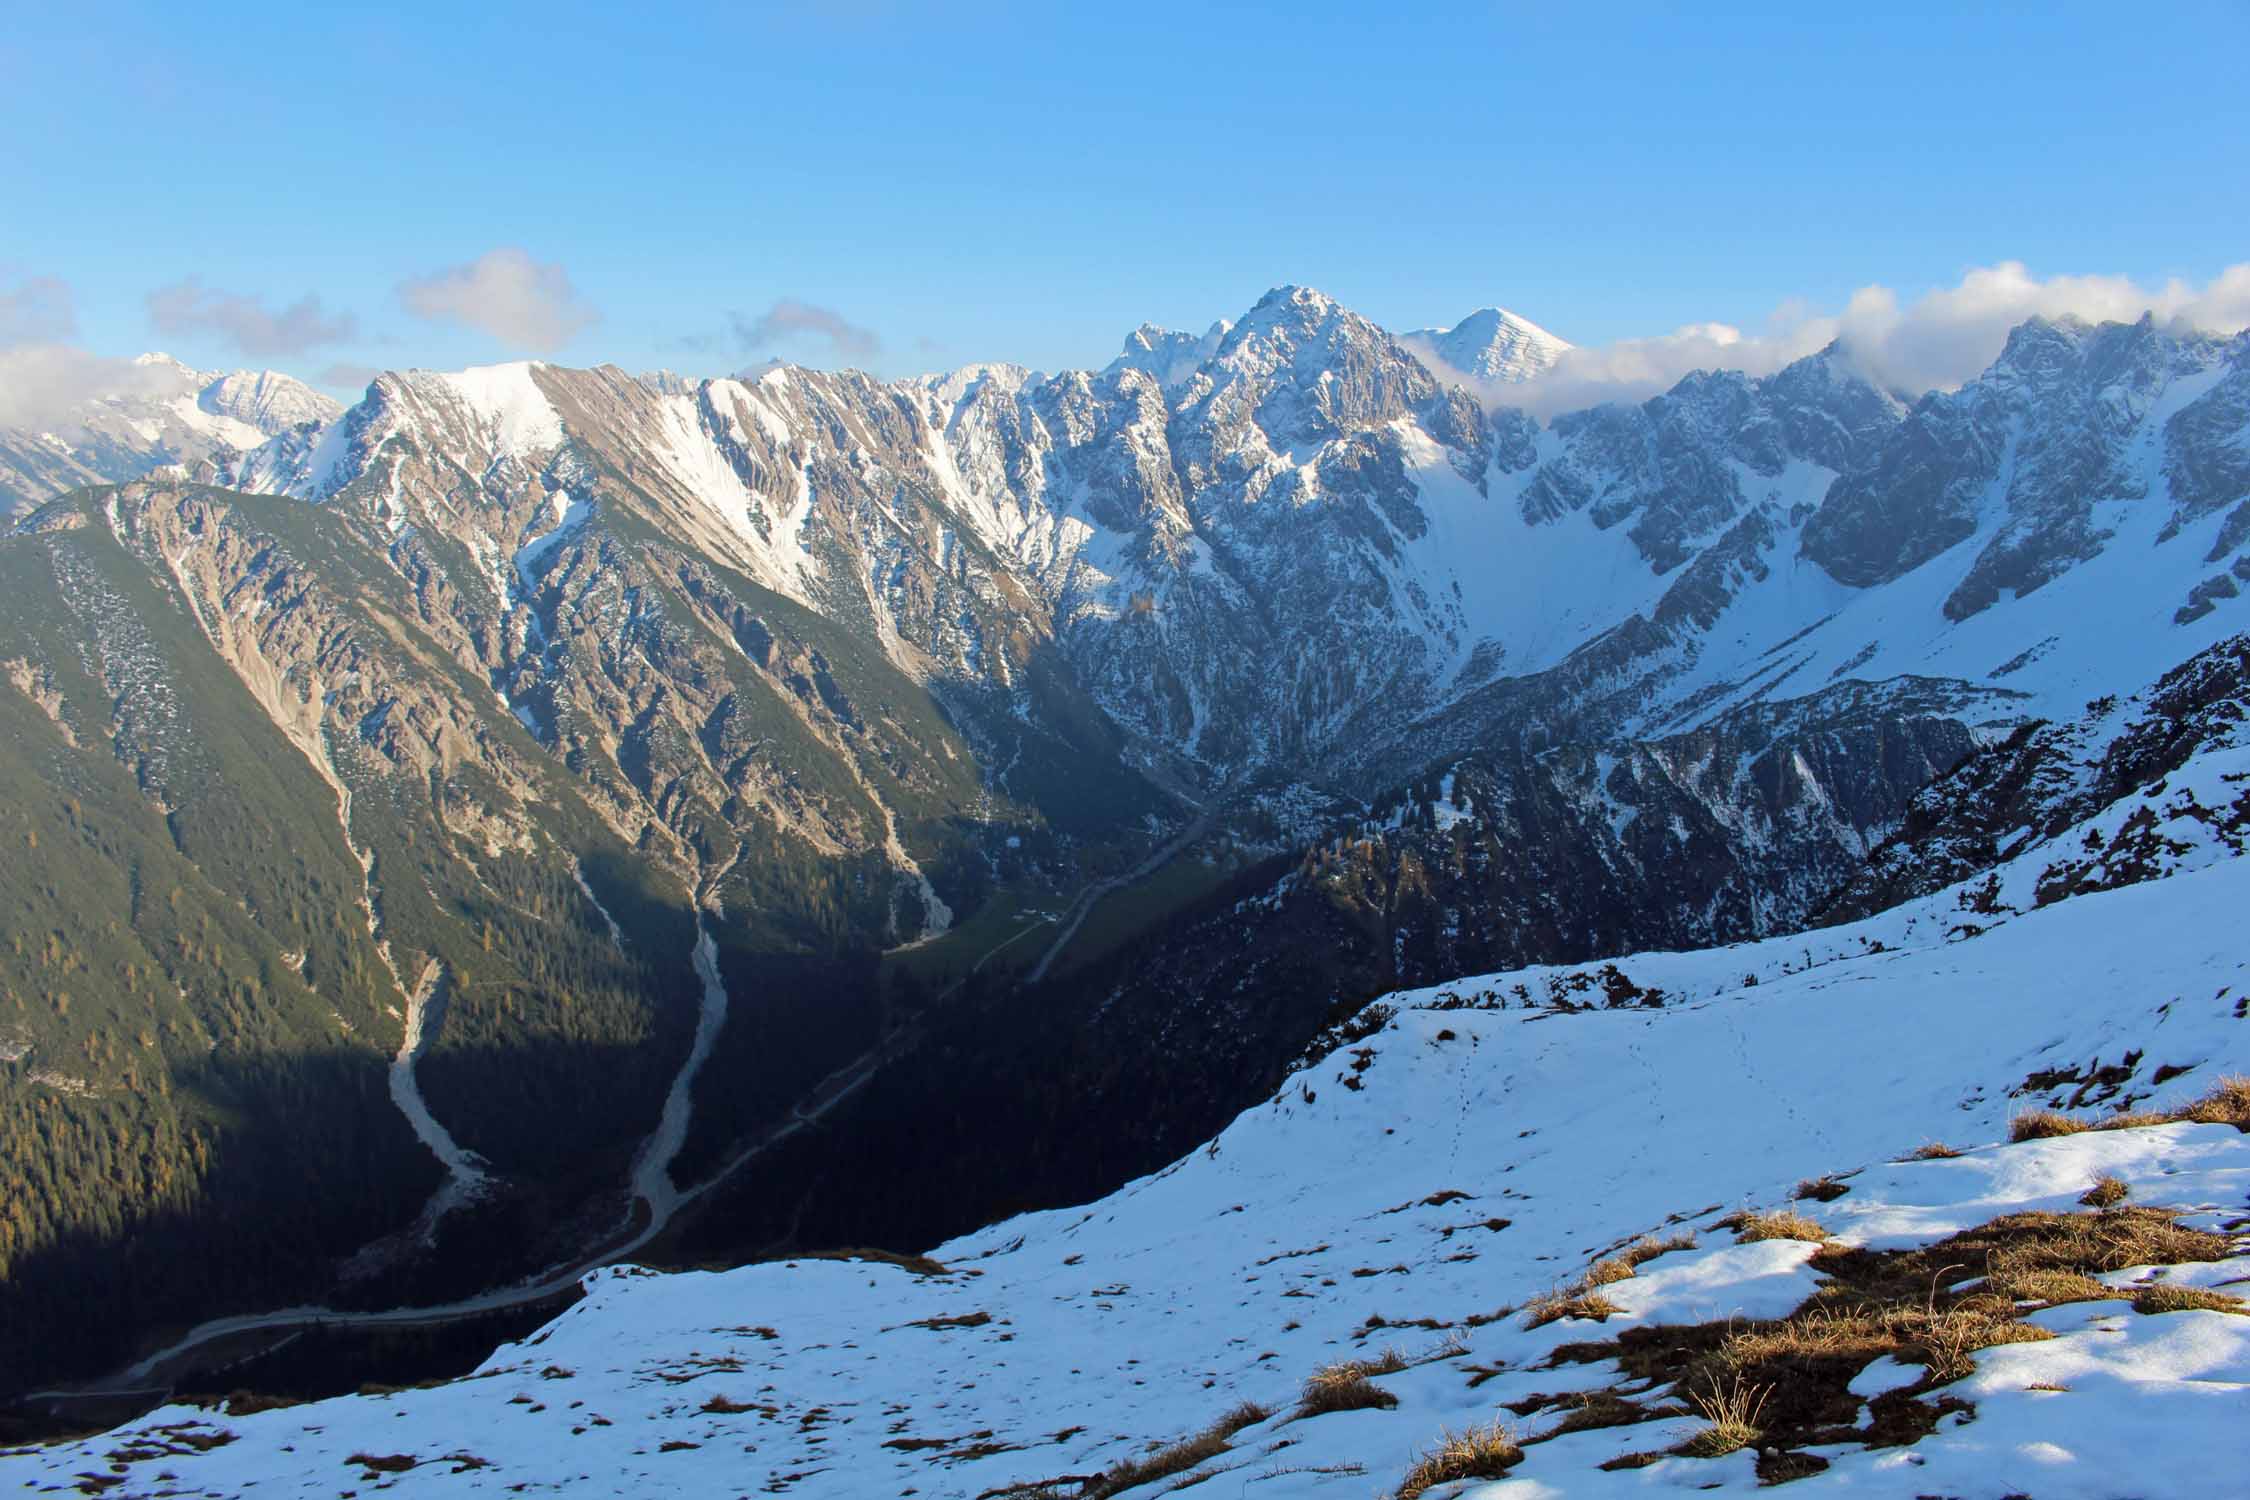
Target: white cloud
[[36, 310], [1935, 342], [41, 378], [190, 307], [1636, 369], [347, 375], [789, 318], [521, 302], [41, 384], [1948, 336]]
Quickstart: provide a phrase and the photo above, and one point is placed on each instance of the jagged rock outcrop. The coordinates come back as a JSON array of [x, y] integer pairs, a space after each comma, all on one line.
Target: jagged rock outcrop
[[2064, 422], [1683, 465], [2048, 776]]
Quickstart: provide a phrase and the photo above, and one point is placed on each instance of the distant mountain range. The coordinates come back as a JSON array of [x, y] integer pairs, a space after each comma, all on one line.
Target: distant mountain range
[[160, 413], [1278, 544]]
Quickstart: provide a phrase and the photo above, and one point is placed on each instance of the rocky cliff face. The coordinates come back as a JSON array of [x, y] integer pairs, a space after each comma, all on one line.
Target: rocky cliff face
[[1682, 467], [673, 588], [2052, 774], [1734, 831], [2037, 457]]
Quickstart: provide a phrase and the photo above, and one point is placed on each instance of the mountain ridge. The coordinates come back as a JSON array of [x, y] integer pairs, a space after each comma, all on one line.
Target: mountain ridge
[[1163, 516]]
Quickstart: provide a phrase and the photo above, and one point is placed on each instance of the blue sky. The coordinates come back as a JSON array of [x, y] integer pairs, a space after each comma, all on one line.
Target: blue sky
[[916, 189]]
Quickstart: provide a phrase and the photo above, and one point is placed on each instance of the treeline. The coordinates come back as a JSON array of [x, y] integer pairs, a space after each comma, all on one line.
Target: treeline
[[556, 1043], [127, 1218]]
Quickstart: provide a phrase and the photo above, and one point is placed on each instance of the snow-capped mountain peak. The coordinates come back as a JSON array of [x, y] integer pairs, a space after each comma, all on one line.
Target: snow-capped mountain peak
[[158, 362], [1491, 344], [267, 400], [1297, 503]]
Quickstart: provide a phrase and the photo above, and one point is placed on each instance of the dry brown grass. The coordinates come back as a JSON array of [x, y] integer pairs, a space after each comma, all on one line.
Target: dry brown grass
[[2166, 1297], [2107, 1192], [1732, 1410], [920, 1265], [1607, 1271], [1944, 1339], [2049, 1288], [1932, 1151], [1176, 1458], [1580, 1299], [2044, 1124], [1582, 1411], [1242, 1414], [1820, 1190], [955, 1320], [1347, 1385], [1568, 1302], [1788, 1381], [1901, 1298], [1782, 1224], [1820, 1336], [2228, 1103], [2016, 1245], [1648, 1247], [1486, 1452], [2108, 1241], [1812, 1334]]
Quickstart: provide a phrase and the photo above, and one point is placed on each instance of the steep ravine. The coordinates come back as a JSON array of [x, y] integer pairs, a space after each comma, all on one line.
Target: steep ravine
[[652, 1168], [465, 1174]]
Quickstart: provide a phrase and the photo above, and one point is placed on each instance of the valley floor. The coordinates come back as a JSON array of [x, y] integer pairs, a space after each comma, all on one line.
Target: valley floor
[[1482, 1146]]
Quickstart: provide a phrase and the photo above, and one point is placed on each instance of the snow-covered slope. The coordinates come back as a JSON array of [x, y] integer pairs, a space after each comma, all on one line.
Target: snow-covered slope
[[2039, 538], [1467, 1149]]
